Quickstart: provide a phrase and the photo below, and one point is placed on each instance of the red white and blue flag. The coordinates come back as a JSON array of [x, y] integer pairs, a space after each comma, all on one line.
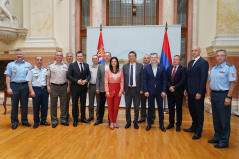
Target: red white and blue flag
[[166, 58], [100, 49]]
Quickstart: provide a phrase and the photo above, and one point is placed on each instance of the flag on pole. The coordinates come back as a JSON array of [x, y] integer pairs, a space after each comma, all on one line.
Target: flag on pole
[[100, 49], [166, 58]]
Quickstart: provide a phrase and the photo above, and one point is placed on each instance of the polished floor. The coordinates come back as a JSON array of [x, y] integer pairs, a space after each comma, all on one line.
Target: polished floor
[[89, 141]]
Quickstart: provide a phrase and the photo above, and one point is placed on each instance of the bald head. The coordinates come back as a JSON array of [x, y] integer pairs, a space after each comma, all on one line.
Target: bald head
[[146, 59], [196, 51]]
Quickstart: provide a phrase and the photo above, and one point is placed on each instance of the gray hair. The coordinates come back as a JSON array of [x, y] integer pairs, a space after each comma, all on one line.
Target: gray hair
[[69, 53], [153, 54], [18, 50], [224, 50]]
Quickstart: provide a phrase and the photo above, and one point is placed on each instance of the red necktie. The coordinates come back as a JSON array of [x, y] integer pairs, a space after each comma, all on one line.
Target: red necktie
[[173, 74]]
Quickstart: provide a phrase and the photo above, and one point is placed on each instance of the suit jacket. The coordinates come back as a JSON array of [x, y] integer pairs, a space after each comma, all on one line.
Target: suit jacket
[[114, 89], [179, 80], [150, 82], [100, 80], [138, 77], [197, 77], [74, 74]]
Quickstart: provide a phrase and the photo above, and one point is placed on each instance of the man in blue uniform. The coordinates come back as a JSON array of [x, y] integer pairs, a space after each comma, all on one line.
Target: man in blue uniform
[[16, 73], [222, 83], [36, 78]]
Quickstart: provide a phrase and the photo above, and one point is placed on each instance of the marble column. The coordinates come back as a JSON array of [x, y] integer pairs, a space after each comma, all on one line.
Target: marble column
[[97, 13], [41, 24], [168, 12]]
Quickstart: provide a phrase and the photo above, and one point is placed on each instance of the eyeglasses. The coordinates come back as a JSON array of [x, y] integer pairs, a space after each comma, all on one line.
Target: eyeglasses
[[221, 55]]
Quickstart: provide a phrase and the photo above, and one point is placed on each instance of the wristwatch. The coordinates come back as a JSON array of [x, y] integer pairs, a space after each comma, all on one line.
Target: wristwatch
[[230, 97]]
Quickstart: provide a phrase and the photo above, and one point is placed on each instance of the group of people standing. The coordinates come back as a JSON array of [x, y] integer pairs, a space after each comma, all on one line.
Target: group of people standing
[[137, 82]]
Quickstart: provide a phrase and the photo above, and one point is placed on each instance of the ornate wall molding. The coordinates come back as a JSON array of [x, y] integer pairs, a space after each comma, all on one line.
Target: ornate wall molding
[[9, 34]]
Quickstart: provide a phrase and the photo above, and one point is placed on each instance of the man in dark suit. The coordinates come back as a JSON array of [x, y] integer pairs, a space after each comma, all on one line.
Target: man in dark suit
[[155, 86], [133, 87], [143, 99], [100, 86], [196, 89], [176, 76], [79, 74]]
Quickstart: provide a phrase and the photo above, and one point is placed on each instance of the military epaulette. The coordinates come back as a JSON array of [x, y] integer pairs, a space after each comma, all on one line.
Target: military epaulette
[[228, 64], [51, 63], [65, 63], [31, 68]]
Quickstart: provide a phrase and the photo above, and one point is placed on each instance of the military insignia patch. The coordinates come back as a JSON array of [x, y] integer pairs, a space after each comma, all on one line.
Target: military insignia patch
[[233, 75], [36, 77]]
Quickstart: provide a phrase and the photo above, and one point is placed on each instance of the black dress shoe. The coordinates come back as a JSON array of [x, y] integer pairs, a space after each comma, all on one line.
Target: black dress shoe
[[14, 127], [35, 125], [26, 124], [78, 120], [85, 121], [170, 126], [141, 120], [66, 124], [220, 146], [189, 130], [98, 122], [162, 128], [127, 125], [136, 126], [178, 128], [196, 136], [212, 141], [45, 123], [90, 119], [54, 125], [148, 127], [75, 123]]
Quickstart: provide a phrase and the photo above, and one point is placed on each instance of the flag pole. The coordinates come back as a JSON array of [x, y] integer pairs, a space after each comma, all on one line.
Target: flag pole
[[165, 103], [166, 26], [100, 26]]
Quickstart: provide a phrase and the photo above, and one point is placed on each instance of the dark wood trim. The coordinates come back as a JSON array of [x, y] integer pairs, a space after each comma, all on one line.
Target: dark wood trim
[[107, 13], [132, 17], [157, 12], [144, 10], [120, 12]]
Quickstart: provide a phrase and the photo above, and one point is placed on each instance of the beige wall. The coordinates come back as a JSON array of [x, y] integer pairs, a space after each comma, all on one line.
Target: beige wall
[[207, 24], [16, 9], [62, 24], [61, 29]]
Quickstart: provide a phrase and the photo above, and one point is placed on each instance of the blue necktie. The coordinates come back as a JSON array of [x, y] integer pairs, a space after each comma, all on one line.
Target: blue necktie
[[131, 76]]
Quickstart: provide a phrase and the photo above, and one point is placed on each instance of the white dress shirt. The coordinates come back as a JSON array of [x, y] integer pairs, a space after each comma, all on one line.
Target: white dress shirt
[[134, 74]]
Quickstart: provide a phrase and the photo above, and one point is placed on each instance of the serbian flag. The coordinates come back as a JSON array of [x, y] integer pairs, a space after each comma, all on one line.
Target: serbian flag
[[166, 58], [100, 49]]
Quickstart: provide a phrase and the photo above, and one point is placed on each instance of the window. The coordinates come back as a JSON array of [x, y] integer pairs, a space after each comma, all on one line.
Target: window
[[85, 22], [182, 19], [132, 12]]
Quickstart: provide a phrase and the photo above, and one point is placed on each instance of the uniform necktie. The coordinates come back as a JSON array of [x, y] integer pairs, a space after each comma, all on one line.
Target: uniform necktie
[[191, 64], [131, 76], [173, 74], [81, 67]]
